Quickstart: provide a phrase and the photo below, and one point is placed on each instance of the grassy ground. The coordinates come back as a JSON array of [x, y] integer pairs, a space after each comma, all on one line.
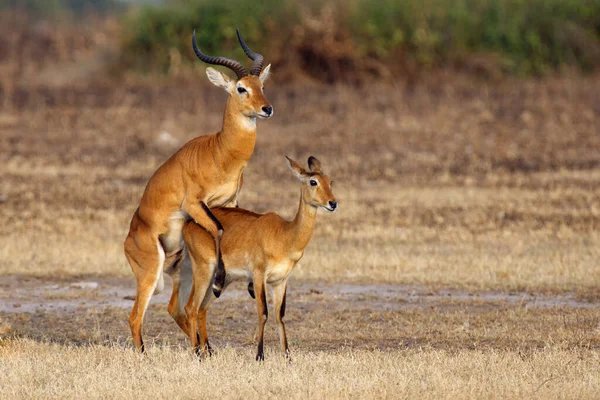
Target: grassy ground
[[94, 372], [344, 345], [449, 184]]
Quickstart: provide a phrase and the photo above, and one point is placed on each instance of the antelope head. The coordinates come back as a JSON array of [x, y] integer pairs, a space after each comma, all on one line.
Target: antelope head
[[246, 92], [316, 186]]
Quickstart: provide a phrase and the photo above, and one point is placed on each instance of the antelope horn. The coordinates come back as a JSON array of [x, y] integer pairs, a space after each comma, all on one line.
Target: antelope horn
[[257, 58], [235, 66]]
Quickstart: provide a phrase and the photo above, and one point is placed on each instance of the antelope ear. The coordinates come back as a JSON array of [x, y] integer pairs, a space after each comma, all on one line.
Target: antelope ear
[[265, 73], [298, 171], [314, 165], [219, 79]]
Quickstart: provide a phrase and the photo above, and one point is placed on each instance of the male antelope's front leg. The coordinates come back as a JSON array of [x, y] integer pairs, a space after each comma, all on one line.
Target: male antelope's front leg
[[200, 212], [263, 312], [279, 294]]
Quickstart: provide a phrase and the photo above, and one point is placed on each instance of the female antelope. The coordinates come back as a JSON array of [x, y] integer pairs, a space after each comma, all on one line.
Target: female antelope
[[257, 248], [206, 172]]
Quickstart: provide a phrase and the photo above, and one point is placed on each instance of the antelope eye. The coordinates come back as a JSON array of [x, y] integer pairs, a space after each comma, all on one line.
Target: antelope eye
[[313, 182], [241, 90]]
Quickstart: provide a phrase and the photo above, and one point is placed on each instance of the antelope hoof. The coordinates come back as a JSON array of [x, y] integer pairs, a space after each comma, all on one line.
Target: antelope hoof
[[208, 351], [203, 353], [260, 357], [251, 290]]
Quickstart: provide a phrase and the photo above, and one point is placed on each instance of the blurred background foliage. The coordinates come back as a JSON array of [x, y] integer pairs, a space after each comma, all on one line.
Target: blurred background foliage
[[529, 36], [517, 36], [156, 36], [63, 8], [345, 39]]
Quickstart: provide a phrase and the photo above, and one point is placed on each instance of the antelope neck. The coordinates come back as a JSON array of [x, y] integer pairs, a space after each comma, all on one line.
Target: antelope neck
[[238, 136], [301, 228]]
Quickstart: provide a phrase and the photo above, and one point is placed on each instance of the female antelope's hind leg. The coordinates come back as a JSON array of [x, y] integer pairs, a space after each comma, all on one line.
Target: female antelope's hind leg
[[198, 302], [200, 212], [209, 297], [181, 273], [147, 265], [279, 294], [203, 349], [263, 312]]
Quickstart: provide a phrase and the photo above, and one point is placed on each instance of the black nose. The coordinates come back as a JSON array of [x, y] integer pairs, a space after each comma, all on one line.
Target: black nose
[[267, 110], [333, 205]]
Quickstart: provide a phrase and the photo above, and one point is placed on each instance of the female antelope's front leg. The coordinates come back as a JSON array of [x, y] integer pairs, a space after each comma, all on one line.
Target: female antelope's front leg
[[279, 293], [263, 313]]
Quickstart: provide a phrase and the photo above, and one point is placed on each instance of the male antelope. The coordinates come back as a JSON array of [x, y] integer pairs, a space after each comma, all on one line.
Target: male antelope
[[257, 248], [206, 172]]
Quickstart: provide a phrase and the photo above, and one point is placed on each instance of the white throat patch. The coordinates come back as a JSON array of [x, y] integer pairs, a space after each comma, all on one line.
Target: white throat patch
[[249, 123]]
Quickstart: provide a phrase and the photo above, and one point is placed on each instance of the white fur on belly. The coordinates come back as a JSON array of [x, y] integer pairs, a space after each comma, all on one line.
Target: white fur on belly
[[237, 275]]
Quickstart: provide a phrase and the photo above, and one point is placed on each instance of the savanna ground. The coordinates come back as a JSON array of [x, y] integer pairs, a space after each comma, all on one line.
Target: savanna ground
[[462, 261]]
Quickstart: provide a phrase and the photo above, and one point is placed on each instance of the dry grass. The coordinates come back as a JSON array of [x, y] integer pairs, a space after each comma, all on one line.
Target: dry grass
[[30, 370], [343, 346], [470, 184]]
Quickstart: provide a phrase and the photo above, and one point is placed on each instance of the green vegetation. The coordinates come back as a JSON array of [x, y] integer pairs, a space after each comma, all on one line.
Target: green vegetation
[[524, 37], [519, 36], [58, 8], [531, 36], [154, 32]]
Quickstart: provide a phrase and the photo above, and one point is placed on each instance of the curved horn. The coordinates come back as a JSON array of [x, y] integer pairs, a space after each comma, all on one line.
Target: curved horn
[[257, 58], [235, 66]]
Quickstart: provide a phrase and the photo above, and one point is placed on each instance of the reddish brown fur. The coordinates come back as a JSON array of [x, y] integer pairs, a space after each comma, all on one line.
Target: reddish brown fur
[[206, 170], [259, 248]]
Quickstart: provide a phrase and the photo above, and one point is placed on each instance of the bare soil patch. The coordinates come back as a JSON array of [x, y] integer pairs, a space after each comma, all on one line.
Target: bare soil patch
[[321, 316]]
